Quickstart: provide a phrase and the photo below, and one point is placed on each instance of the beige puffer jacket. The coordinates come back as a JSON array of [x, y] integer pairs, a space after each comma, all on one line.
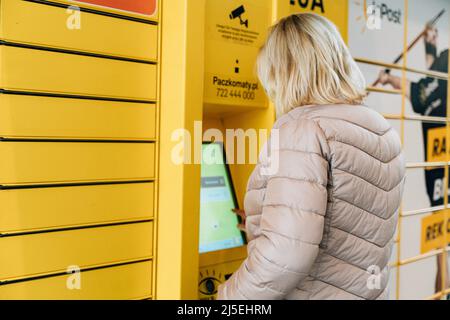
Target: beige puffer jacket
[[322, 226]]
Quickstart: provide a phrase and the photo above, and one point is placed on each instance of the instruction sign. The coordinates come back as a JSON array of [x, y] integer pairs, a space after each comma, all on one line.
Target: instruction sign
[[435, 231], [235, 30], [143, 7]]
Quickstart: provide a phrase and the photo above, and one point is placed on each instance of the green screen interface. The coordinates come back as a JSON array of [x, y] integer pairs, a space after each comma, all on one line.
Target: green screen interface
[[218, 224]]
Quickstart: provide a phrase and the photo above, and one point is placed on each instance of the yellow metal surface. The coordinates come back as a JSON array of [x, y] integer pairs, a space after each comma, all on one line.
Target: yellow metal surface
[[63, 73], [37, 117], [24, 210], [45, 253], [44, 25], [48, 162], [179, 190], [222, 256], [131, 281], [231, 49]]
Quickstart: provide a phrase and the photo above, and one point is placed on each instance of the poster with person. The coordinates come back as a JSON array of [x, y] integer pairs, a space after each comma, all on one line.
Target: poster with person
[[384, 36], [425, 87]]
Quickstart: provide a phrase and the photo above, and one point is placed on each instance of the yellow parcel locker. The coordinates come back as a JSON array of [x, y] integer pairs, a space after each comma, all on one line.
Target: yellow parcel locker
[[29, 209], [35, 116], [64, 73], [46, 253], [130, 281], [61, 162], [53, 26]]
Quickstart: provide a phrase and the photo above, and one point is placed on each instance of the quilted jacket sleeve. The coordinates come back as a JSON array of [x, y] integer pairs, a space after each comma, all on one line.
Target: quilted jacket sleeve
[[292, 217]]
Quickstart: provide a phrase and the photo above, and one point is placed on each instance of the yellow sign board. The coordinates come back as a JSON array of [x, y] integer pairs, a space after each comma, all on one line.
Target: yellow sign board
[[435, 230], [436, 146], [235, 30], [335, 10]]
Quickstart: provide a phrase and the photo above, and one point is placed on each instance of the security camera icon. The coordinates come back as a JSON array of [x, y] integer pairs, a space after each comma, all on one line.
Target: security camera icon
[[237, 13]]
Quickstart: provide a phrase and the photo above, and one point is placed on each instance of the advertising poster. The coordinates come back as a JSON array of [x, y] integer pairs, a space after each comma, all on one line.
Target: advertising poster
[[428, 38], [376, 29], [379, 32], [434, 15], [425, 141]]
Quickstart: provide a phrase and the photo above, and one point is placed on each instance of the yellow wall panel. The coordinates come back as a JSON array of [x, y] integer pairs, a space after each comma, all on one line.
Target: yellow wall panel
[[179, 191], [38, 24], [63, 73], [33, 116], [47, 162], [131, 281], [43, 253], [41, 208]]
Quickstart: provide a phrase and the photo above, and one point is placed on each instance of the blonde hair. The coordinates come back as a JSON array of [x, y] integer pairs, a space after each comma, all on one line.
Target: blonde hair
[[305, 62]]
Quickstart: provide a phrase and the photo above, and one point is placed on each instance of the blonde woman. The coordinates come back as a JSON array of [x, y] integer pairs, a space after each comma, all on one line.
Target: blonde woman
[[322, 226]]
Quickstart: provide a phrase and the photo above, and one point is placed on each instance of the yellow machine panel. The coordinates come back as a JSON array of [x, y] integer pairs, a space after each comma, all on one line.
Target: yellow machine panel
[[130, 281], [63, 73], [234, 99], [46, 253], [215, 268], [34, 116], [210, 278], [24, 210], [45, 162], [51, 26]]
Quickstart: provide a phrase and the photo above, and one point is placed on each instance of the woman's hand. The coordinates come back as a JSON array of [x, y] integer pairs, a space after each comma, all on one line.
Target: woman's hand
[[241, 214], [385, 78]]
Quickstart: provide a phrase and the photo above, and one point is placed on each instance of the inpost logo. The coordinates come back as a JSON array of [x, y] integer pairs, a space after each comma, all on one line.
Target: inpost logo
[[374, 13]]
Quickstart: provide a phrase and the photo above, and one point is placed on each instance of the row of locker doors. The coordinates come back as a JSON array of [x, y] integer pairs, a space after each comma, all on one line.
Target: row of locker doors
[[78, 146]]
